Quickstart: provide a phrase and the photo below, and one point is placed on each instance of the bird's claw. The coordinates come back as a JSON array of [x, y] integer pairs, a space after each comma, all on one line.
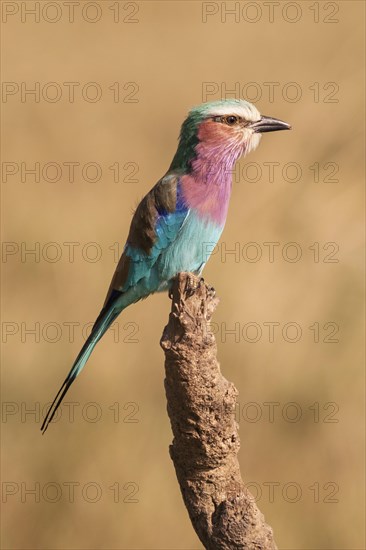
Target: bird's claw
[[211, 291], [192, 283]]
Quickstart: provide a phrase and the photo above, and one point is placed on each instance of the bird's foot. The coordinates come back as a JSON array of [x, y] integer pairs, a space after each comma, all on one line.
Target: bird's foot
[[192, 283], [211, 292], [210, 289]]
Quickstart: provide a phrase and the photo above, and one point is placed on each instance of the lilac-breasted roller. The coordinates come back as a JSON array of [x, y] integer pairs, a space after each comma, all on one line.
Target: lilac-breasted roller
[[182, 214]]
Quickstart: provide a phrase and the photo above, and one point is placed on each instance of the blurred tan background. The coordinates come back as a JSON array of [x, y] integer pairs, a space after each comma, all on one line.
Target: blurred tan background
[[105, 480]]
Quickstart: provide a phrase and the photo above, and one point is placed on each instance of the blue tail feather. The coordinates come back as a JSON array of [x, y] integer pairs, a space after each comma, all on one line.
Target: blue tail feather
[[103, 322]]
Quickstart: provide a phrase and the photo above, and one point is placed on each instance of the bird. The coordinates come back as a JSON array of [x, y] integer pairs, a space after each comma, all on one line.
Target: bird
[[185, 210]]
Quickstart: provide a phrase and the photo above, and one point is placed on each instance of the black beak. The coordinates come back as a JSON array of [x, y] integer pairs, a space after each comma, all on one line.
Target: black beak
[[268, 124]]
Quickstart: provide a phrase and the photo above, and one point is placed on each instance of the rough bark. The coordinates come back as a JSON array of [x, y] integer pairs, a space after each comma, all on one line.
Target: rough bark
[[201, 407]]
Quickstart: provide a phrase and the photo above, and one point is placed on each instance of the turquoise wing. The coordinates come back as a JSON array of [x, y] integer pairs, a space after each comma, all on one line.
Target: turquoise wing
[[155, 225]]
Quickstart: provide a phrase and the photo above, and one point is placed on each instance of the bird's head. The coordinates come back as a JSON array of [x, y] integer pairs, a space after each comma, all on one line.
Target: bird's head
[[222, 130]]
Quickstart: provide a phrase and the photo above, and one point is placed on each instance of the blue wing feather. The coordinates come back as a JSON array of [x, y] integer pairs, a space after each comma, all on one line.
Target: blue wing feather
[[167, 227]]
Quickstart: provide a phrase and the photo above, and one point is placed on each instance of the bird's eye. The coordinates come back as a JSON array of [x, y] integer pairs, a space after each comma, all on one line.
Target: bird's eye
[[231, 120]]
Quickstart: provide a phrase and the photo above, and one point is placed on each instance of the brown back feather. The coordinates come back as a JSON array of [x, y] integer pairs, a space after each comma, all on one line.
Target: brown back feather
[[142, 235]]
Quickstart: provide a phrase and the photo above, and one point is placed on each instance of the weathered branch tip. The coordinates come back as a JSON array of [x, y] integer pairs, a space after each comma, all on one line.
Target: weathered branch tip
[[201, 406]]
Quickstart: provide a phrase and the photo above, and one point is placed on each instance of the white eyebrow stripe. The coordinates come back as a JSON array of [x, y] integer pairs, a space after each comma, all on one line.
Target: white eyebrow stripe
[[243, 110]]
